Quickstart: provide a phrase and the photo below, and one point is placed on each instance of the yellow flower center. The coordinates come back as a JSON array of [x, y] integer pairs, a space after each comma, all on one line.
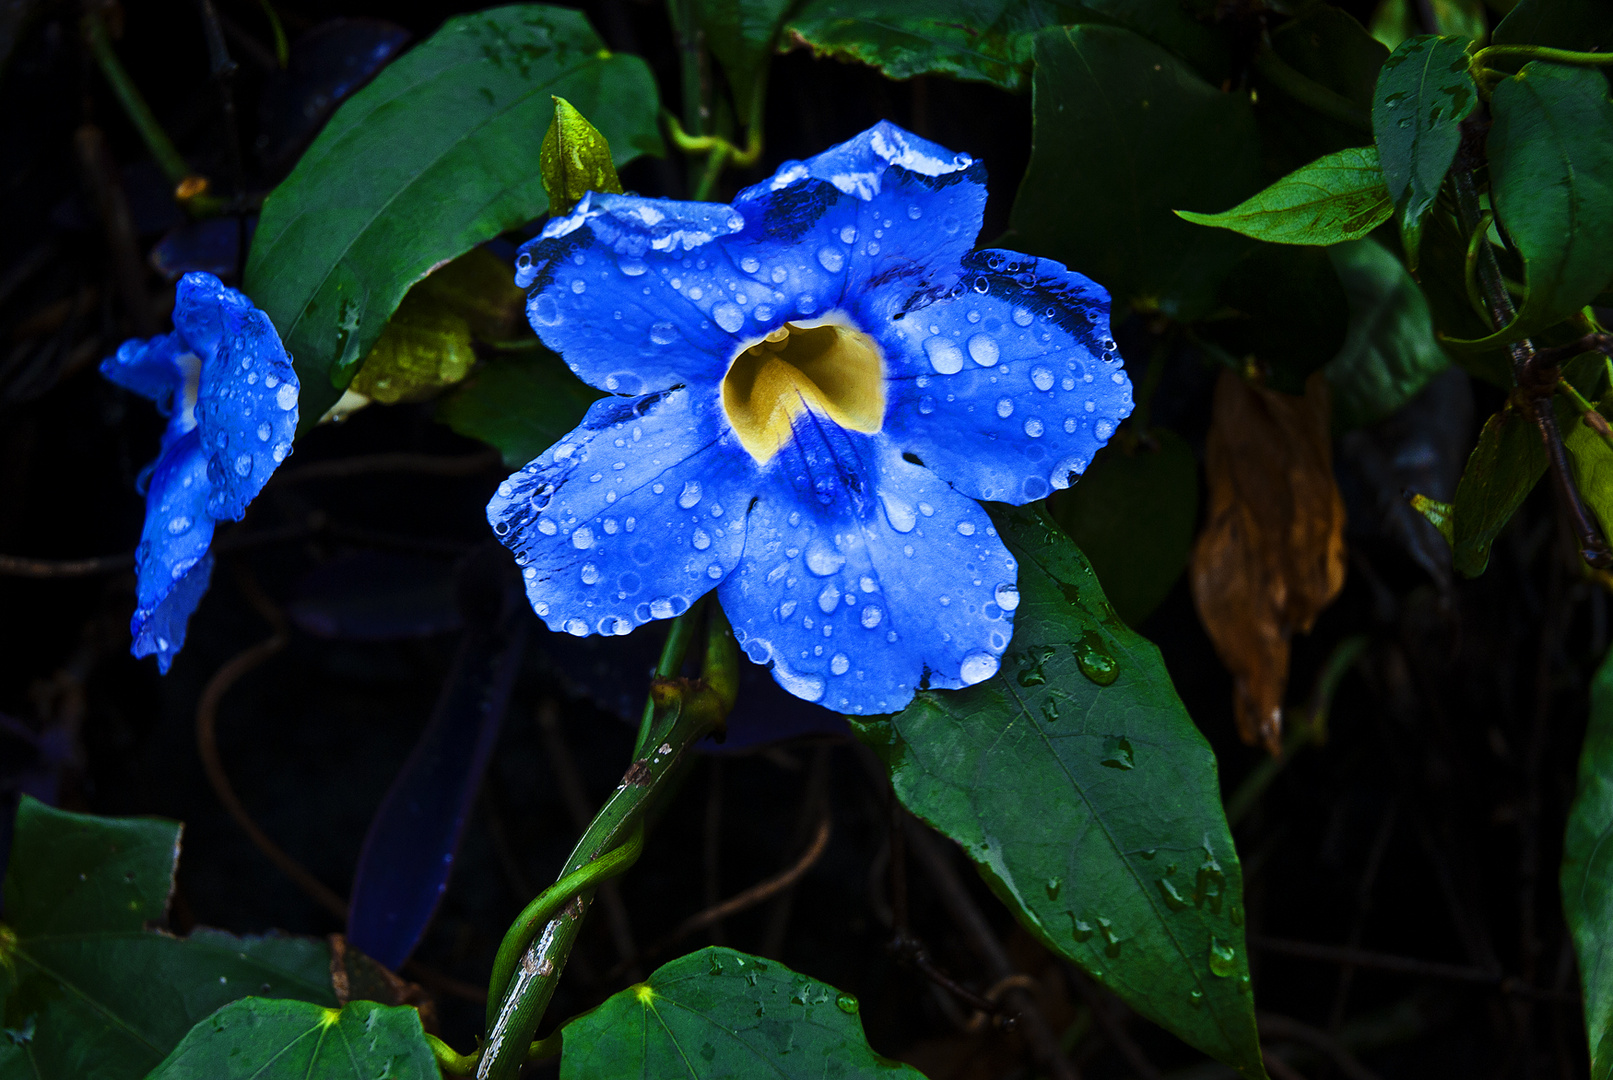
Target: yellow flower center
[[826, 366]]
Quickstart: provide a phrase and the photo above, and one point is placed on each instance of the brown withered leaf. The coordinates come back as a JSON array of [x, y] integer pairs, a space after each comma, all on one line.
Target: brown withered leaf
[[1271, 555]]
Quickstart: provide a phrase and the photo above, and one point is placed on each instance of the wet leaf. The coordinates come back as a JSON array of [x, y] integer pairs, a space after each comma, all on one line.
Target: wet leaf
[[720, 1013], [1500, 473], [262, 1039], [1587, 872], [1333, 199], [438, 154], [427, 344], [1551, 176], [521, 403], [1271, 555], [1390, 352], [103, 997], [1088, 800], [575, 159], [1132, 515], [1124, 134], [986, 40], [1423, 94]]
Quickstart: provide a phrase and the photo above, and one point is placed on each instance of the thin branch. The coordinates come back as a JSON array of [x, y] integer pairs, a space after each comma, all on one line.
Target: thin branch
[[23, 566]]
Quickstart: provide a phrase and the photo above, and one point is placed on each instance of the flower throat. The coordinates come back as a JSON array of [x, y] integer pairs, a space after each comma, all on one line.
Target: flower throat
[[830, 368]]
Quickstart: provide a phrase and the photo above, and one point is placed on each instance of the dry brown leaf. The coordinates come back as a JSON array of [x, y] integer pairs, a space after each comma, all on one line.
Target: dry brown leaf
[[1271, 555]]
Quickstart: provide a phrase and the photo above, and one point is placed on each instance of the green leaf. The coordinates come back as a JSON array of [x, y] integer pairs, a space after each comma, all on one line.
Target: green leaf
[[1334, 51], [263, 1039], [1132, 514], [439, 153], [1500, 473], [1081, 789], [101, 997], [1394, 21], [1333, 199], [1390, 352], [1551, 180], [521, 403], [575, 159], [741, 35], [1282, 304], [1423, 94], [1438, 514], [1591, 460], [1587, 872], [720, 1013], [1124, 133], [987, 40], [1576, 25]]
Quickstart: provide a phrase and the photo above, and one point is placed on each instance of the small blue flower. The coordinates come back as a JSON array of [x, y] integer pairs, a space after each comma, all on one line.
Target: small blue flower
[[226, 384], [815, 386]]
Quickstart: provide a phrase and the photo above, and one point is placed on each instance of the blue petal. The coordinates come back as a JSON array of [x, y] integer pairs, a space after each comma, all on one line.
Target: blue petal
[[172, 563], [246, 404], [1007, 385], [866, 578], [637, 317], [631, 517], [151, 368], [858, 165]]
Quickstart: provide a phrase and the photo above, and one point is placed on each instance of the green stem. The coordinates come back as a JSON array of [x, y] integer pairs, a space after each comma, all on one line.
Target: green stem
[[156, 139], [678, 636], [684, 712], [1470, 267], [714, 165], [282, 48], [1538, 52], [1310, 93], [451, 1062]]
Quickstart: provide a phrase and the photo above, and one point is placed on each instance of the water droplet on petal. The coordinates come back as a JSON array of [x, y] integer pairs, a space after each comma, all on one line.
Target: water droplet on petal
[[898, 512], [871, 614], [590, 573], [583, 538], [805, 687], [749, 264], [977, 667], [822, 559], [1007, 597], [575, 627], [663, 333], [984, 351], [690, 495], [829, 598], [840, 663], [1033, 428], [264, 431], [1022, 317], [286, 397], [1042, 378], [944, 354], [831, 259], [243, 465], [729, 316], [1005, 407], [701, 540], [178, 525]]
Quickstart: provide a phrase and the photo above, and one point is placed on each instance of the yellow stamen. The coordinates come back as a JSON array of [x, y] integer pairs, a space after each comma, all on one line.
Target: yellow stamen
[[828, 366]]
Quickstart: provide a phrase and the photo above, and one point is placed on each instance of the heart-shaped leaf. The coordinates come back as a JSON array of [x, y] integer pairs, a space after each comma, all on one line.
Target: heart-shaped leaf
[[1333, 199]]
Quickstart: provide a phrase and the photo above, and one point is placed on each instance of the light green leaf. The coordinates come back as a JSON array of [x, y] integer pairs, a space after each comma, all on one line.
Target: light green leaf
[[439, 153], [263, 1039], [987, 40], [1587, 872], [1088, 800], [1390, 352], [718, 1013], [1124, 133], [1333, 199], [1500, 473], [521, 403], [1551, 180], [1133, 515], [1424, 92], [1591, 460]]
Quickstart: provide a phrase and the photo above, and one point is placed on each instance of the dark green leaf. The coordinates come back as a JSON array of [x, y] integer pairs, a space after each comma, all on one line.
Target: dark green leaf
[[1389, 351], [720, 1013], [263, 1039], [987, 40], [1125, 133], [1331, 49], [1081, 789], [439, 153], [1500, 473], [1133, 515], [1551, 180], [1283, 305], [75, 872], [1423, 94], [1579, 25], [1333, 199], [1587, 872], [520, 403], [741, 34], [101, 997], [1441, 272]]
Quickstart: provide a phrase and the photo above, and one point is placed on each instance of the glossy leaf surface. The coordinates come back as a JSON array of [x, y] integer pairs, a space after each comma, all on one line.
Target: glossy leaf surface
[[1125, 134], [1081, 789], [1132, 515], [1500, 473], [521, 403], [1551, 175], [720, 1013], [439, 153], [1333, 199], [1390, 351], [1587, 872], [1423, 94], [265, 1039]]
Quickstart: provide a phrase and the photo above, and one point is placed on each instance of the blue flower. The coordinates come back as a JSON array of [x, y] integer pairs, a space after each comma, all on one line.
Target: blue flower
[[226, 384], [814, 387]]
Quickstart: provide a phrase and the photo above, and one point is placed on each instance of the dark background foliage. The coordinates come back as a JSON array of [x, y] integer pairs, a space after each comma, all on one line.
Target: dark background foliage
[[1427, 827]]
